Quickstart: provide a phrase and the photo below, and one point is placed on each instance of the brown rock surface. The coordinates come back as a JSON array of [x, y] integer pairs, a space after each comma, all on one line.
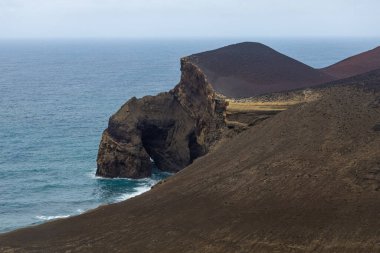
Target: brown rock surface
[[305, 180], [172, 128]]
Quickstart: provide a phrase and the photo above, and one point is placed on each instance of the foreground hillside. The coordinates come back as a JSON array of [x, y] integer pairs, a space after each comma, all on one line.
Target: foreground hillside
[[305, 180]]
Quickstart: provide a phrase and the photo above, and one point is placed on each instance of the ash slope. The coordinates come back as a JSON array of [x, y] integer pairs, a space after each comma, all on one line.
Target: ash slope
[[249, 69], [357, 64], [305, 180]]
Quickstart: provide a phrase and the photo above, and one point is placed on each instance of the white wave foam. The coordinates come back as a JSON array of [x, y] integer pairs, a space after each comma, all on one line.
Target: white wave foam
[[45, 218], [145, 184], [137, 191], [92, 175]]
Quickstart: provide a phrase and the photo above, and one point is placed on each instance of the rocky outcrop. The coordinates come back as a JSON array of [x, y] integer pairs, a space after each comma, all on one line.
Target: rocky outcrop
[[172, 129]]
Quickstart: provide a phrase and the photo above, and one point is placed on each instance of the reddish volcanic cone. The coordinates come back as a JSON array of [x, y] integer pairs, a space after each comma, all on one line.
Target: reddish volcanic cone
[[248, 69], [356, 64]]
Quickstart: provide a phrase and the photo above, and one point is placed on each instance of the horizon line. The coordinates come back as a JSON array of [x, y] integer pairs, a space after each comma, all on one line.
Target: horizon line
[[246, 38]]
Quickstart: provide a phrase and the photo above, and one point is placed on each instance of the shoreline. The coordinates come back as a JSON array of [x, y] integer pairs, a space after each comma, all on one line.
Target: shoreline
[[149, 184]]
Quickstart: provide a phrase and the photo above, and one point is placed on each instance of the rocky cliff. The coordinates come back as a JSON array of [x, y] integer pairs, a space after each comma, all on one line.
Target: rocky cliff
[[172, 129]]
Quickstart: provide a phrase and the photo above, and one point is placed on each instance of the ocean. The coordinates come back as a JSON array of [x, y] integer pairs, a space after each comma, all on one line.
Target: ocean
[[55, 100]]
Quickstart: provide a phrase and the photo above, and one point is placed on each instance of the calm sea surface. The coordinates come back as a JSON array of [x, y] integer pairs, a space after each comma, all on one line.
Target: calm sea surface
[[56, 98]]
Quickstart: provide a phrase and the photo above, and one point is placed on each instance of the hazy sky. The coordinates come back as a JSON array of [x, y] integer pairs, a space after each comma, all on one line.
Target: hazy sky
[[188, 18]]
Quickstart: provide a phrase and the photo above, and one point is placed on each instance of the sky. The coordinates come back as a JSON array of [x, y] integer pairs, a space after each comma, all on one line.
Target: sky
[[188, 18]]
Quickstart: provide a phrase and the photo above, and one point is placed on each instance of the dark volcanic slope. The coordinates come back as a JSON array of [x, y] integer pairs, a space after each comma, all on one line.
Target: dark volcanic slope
[[306, 180], [355, 65], [249, 69]]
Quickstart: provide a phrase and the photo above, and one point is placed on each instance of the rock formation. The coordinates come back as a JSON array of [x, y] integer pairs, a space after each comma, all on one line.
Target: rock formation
[[172, 129]]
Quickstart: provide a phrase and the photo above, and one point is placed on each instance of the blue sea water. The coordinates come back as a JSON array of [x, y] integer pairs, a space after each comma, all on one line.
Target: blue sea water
[[55, 100]]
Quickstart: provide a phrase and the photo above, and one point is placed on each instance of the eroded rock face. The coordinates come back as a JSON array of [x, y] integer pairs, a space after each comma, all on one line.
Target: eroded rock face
[[172, 128]]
